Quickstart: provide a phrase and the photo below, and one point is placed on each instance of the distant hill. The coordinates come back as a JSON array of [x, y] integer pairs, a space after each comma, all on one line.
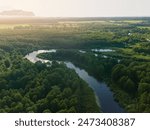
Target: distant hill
[[16, 13]]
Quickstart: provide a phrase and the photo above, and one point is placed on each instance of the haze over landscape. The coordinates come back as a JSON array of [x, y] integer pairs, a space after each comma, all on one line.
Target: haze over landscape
[[17, 13], [75, 56], [79, 8]]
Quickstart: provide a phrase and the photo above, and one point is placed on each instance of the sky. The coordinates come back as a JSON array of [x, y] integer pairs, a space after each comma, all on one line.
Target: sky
[[80, 8]]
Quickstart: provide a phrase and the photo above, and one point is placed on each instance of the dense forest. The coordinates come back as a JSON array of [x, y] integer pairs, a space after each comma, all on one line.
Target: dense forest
[[129, 79], [99, 67], [29, 87], [131, 84]]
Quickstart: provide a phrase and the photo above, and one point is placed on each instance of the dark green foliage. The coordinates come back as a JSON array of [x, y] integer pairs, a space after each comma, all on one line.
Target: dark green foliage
[[28, 87], [99, 67], [134, 80]]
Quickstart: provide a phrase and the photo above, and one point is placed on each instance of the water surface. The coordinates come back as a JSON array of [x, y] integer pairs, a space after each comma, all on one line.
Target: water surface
[[102, 91]]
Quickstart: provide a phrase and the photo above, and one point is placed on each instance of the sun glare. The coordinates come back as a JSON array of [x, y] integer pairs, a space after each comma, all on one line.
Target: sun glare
[[79, 8]]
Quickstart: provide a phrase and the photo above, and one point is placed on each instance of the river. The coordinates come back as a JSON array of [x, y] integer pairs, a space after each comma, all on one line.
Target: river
[[102, 91]]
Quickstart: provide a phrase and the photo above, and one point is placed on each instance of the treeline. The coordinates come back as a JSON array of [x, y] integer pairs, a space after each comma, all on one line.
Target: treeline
[[130, 80], [78, 35], [143, 48], [27, 87], [131, 83], [98, 67]]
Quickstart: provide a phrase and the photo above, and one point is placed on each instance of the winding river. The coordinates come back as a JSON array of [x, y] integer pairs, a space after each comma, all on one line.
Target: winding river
[[102, 91]]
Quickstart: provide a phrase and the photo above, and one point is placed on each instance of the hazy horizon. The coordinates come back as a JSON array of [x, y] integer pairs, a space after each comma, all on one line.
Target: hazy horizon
[[80, 8]]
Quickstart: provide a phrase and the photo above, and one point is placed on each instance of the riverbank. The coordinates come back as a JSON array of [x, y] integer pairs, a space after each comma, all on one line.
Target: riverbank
[[105, 96]]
